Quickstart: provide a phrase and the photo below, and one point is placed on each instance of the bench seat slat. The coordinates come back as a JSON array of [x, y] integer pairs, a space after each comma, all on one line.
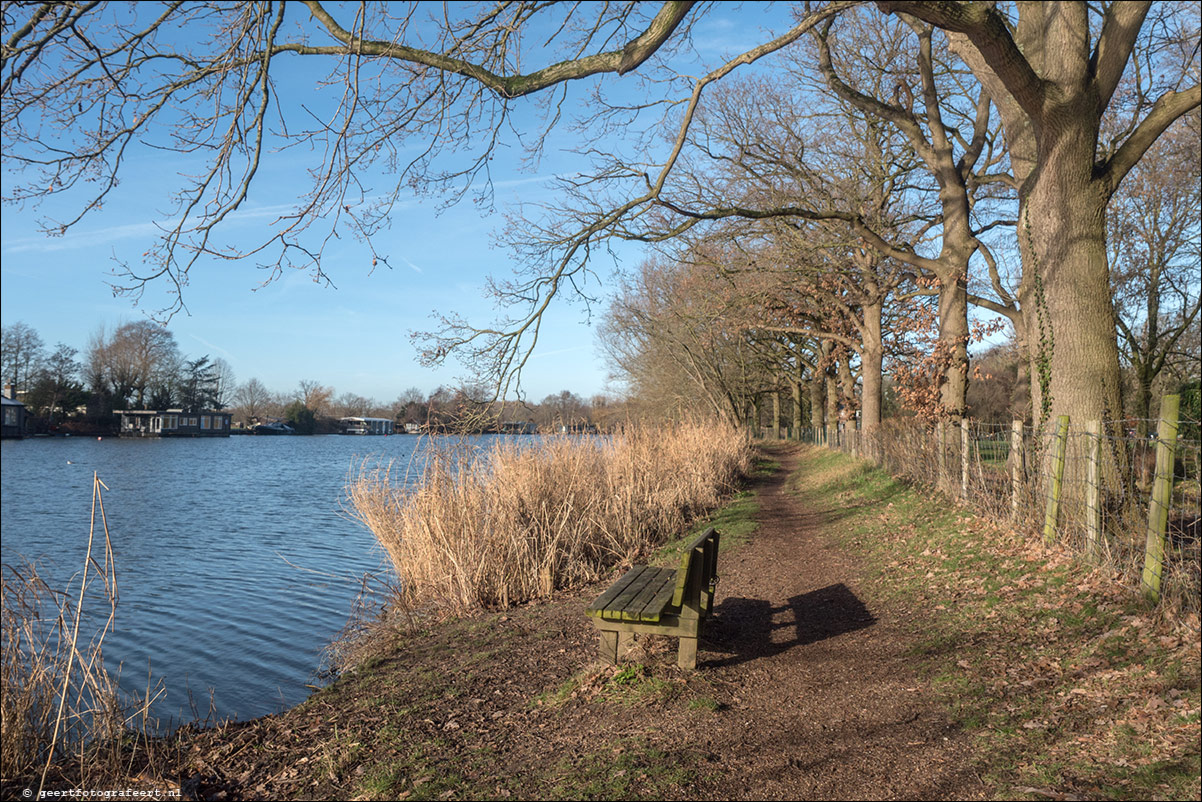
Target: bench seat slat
[[616, 588], [661, 601], [635, 608], [614, 610]]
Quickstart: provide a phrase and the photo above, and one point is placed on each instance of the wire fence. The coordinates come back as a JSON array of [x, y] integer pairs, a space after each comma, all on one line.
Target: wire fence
[[1131, 502]]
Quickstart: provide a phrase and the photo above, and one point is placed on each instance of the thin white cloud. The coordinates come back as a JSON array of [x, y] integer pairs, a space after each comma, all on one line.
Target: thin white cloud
[[518, 182], [151, 230], [211, 347], [80, 239], [558, 351]]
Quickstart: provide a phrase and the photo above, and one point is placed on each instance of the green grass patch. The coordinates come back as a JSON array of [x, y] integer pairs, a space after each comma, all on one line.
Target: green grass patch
[[630, 769], [735, 521]]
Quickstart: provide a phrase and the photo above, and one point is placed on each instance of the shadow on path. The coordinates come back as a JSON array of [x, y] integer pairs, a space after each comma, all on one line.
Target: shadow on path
[[748, 629]]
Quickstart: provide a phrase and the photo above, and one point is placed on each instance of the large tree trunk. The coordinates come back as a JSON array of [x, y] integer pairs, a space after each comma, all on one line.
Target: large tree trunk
[[872, 357], [817, 402], [953, 342], [1073, 344], [832, 398], [1065, 253], [1020, 396], [776, 414]]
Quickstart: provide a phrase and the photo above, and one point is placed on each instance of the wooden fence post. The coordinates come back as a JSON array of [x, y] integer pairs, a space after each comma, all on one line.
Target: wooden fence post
[[941, 455], [1093, 495], [1162, 496], [775, 414], [1016, 467], [1052, 517], [964, 458]]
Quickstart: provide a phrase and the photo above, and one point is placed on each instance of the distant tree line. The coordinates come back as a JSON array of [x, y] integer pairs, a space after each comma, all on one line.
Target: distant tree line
[[139, 365], [315, 408]]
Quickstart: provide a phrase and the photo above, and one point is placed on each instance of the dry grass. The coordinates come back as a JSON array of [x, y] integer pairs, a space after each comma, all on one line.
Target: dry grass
[[494, 528], [65, 723]]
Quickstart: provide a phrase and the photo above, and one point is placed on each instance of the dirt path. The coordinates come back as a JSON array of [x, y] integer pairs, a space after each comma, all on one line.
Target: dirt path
[[802, 692], [826, 699]]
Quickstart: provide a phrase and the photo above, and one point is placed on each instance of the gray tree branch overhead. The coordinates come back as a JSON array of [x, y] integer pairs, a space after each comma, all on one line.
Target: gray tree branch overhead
[[425, 96], [629, 57]]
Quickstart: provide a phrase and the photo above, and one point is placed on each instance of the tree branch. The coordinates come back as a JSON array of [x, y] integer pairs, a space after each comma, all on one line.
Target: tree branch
[[630, 57], [987, 30], [1168, 107], [1120, 30]]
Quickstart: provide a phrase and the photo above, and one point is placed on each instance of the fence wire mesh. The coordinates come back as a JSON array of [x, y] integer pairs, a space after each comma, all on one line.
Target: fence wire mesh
[[1098, 499]]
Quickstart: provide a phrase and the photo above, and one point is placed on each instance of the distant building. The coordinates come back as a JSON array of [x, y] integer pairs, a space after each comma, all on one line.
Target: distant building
[[14, 418], [175, 423], [519, 427], [354, 425]]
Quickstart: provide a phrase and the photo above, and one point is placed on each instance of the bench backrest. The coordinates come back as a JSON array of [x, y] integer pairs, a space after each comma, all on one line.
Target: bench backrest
[[698, 569]]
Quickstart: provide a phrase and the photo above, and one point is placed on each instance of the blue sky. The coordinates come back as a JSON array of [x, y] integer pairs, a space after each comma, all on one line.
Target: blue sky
[[354, 337]]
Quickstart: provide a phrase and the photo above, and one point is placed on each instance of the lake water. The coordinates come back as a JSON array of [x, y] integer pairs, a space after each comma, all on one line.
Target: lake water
[[236, 561]]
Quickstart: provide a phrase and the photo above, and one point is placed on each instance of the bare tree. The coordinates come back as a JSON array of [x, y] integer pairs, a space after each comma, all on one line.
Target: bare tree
[[949, 130], [407, 406], [139, 359], [316, 396], [252, 399], [830, 281], [1153, 234], [57, 387], [20, 355], [677, 334], [224, 383], [353, 405]]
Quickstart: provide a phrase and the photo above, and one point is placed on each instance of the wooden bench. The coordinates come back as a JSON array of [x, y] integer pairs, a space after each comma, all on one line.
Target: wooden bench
[[661, 601]]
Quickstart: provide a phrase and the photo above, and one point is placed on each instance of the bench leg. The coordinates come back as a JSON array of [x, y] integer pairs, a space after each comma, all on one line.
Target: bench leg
[[609, 646], [686, 657], [614, 645]]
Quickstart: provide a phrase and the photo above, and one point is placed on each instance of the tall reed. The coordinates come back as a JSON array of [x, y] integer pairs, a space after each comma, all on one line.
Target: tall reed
[[498, 527], [64, 721]]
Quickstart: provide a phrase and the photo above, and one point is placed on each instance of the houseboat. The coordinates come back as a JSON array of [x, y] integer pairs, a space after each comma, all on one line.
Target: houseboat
[[175, 423], [353, 425], [14, 418]]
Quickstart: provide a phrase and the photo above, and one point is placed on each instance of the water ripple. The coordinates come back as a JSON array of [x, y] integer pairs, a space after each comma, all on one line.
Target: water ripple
[[236, 563]]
